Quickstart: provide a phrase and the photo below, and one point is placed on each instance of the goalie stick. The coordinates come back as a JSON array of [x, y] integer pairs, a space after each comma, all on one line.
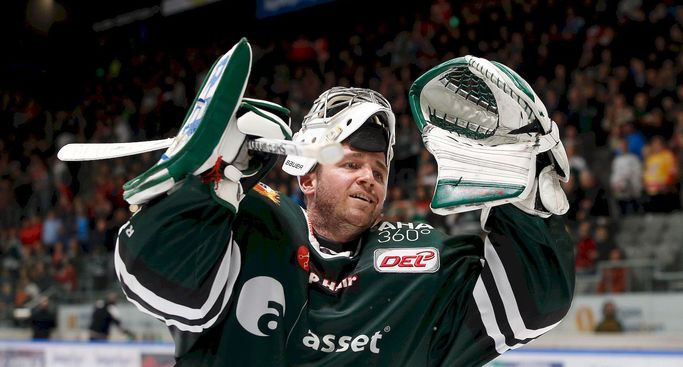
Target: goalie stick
[[323, 153]]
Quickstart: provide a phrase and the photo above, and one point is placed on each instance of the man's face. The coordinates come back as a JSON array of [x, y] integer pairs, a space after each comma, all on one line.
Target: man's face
[[350, 192]]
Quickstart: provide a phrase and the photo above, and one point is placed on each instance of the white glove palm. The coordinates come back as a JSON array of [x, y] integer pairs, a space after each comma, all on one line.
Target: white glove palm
[[485, 126]]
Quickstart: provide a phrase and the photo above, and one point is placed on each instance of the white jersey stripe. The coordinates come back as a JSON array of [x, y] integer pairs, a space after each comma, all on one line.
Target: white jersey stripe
[[488, 316], [225, 278], [514, 317]]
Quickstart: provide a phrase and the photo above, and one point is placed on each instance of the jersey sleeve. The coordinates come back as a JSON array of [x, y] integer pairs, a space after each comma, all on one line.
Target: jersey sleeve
[[519, 290], [176, 258]]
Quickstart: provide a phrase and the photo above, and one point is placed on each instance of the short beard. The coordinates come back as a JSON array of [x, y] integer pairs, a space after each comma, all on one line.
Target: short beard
[[323, 215], [322, 209]]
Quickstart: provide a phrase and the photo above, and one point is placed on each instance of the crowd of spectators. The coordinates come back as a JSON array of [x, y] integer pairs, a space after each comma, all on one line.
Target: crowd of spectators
[[618, 102]]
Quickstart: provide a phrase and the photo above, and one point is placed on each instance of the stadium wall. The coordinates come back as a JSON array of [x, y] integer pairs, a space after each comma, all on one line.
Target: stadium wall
[[653, 336]]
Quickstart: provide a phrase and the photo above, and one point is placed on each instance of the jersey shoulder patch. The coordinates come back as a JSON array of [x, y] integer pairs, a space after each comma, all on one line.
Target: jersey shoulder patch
[[268, 193]]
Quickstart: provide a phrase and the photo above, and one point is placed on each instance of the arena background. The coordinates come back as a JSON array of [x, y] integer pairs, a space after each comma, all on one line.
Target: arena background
[[106, 71]]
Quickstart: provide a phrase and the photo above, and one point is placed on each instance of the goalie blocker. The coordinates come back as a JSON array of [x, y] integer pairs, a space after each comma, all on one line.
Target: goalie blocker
[[213, 137], [492, 139]]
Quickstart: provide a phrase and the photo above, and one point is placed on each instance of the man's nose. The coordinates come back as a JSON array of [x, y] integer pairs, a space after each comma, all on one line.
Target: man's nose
[[365, 175]]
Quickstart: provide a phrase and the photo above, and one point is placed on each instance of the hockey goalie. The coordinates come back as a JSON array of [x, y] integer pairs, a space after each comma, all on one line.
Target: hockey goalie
[[243, 276]]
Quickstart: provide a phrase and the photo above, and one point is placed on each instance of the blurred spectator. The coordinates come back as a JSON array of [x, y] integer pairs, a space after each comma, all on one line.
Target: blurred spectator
[[576, 162], [40, 275], [603, 242], [105, 314], [618, 113], [6, 300], [422, 204], [440, 12], [41, 185], [25, 291], [96, 267], [614, 278], [677, 143], [31, 232], [407, 148], [636, 140], [12, 254], [661, 177], [10, 211], [641, 105], [66, 276], [609, 323], [586, 250], [81, 224], [102, 207], [399, 208], [302, 50], [58, 255], [100, 236], [52, 229], [43, 320], [626, 179], [592, 196]]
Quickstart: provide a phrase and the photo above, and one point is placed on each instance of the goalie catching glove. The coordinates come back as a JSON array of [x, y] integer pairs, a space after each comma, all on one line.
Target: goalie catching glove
[[492, 139], [213, 137]]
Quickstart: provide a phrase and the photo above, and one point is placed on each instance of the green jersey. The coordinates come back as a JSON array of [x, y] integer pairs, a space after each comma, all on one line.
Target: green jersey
[[257, 288]]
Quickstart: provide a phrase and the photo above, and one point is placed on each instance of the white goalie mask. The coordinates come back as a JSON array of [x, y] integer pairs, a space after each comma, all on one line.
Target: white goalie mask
[[336, 114]]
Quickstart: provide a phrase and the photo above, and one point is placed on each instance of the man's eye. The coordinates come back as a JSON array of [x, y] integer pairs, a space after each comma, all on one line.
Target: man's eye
[[350, 165], [379, 176]]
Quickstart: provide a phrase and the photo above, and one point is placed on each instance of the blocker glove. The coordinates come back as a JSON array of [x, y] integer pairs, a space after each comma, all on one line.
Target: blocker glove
[[211, 141], [492, 139]]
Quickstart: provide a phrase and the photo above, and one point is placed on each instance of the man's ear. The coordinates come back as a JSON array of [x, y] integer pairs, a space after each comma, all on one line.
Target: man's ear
[[308, 183]]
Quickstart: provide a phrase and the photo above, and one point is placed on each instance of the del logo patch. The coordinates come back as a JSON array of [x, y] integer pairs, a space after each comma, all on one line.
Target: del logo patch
[[407, 260]]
